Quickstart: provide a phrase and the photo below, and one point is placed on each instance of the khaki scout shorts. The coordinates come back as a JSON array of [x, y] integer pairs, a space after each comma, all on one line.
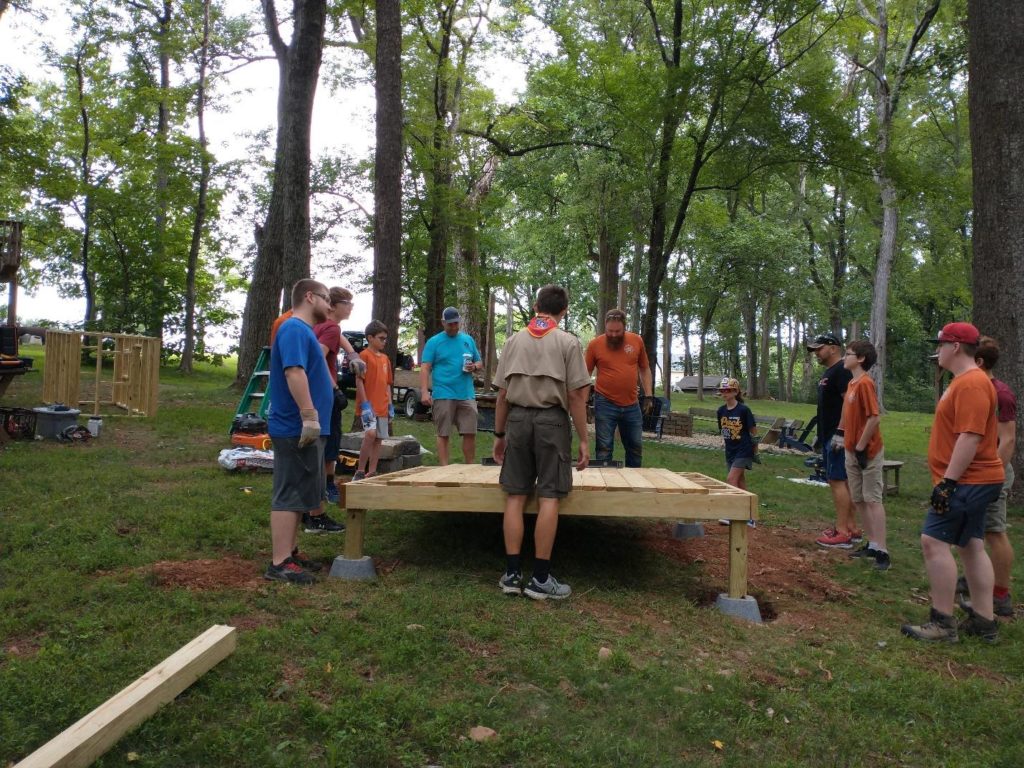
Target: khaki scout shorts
[[538, 441], [461, 413], [866, 485], [995, 513]]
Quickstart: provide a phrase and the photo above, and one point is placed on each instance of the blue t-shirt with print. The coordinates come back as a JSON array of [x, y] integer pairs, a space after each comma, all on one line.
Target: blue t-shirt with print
[[735, 425], [295, 346], [445, 355]]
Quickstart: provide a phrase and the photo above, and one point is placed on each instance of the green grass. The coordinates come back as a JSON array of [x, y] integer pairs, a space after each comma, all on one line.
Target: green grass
[[396, 672]]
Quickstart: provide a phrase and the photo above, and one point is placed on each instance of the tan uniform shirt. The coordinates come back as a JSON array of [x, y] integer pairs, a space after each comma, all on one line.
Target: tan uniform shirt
[[540, 373]]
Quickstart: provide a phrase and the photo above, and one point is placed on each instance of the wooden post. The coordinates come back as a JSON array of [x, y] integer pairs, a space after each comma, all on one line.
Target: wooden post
[[99, 376], [354, 528], [85, 741], [490, 355], [12, 303], [737, 558]]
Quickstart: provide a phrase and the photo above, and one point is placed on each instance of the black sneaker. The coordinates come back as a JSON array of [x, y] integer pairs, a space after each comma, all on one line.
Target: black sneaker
[[511, 583], [289, 571], [322, 524], [975, 626], [882, 561], [309, 565], [864, 552]]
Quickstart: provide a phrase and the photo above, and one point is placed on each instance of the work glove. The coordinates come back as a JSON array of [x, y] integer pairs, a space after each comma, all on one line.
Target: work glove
[[367, 415], [757, 455], [310, 427], [837, 443], [862, 458], [647, 405], [941, 494], [391, 411], [340, 400], [357, 366]]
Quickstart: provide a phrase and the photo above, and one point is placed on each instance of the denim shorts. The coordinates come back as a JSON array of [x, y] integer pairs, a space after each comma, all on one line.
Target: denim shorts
[[739, 462], [834, 462], [965, 519]]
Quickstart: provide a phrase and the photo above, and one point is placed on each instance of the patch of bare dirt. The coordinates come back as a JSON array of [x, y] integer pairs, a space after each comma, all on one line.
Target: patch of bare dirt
[[23, 647], [249, 621], [228, 572], [785, 569]]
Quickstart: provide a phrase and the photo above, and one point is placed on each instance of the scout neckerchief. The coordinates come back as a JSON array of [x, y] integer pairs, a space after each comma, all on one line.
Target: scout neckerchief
[[541, 325]]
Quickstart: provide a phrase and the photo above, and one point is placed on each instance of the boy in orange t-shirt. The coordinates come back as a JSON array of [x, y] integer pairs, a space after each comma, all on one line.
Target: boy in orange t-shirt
[[968, 476], [373, 398], [861, 438]]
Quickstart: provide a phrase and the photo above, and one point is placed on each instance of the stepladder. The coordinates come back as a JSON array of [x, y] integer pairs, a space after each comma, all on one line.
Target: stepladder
[[256, 396]]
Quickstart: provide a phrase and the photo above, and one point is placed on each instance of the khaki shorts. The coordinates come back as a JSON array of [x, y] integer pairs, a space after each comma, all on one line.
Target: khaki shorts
[[866, 485], [537, 445], [461, 413], [995, 513]]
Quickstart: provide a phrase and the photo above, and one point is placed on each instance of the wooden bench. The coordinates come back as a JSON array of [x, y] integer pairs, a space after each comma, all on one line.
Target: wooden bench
[[644, 493], [888, 466]]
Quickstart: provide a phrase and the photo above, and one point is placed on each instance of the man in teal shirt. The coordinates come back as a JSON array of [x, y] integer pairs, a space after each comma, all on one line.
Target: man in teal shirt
[[450, 358]]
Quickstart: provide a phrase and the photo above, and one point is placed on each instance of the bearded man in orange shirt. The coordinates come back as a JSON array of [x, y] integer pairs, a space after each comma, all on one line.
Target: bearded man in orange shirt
[[621, 361]]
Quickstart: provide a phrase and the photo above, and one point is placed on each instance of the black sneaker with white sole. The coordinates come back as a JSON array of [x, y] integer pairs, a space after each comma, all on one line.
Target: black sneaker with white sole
[[289, 571], [322, 524], [511, 583], [882, 561]]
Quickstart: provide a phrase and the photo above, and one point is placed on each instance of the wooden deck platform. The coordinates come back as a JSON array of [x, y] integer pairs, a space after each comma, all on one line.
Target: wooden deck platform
[[653, 493]]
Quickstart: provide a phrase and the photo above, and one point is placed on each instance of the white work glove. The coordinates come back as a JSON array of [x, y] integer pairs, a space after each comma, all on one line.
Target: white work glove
[[310, 427], [837, 443], [391, 411], [358, 366], [367, 415]]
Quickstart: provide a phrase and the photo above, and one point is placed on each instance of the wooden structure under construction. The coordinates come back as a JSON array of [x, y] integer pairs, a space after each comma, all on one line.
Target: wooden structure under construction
[[646, 493], [133, 387]]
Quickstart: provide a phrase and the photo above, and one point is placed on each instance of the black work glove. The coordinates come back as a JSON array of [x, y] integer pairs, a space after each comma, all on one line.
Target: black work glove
[[941, 494], [648, 405], [862, 458], [340, 399]]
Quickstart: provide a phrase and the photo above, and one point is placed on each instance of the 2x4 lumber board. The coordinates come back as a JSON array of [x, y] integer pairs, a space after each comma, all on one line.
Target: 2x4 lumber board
[[614, 479], [666, 481], [737, 558], [658, 506], [84, 742], [355, 528]]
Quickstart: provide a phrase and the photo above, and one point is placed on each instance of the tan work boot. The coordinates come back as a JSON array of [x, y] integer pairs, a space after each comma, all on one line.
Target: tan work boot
[[975, 626], [939, 628]]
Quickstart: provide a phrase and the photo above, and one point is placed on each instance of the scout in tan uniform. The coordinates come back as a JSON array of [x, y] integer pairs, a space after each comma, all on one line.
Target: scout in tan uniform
[[541, 379]]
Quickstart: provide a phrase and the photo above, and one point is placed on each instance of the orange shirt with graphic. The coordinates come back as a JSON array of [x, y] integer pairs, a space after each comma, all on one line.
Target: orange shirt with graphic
[[967, 405], [617, 369], [859, 404], [377, 381]]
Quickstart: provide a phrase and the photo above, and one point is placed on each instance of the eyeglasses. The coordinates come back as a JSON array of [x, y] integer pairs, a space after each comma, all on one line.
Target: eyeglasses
[[341, 301], [323, 296]]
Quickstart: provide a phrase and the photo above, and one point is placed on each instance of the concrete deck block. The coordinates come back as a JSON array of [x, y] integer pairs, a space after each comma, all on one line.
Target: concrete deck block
[[353, 570], [688, 531], [741, 607]]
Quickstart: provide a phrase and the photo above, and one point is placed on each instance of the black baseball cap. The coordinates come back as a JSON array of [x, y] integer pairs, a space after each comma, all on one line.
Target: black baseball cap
[[823, 339]]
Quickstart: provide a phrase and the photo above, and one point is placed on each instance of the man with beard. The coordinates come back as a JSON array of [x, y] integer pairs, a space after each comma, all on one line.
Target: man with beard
[[621, 361], [302, 402]]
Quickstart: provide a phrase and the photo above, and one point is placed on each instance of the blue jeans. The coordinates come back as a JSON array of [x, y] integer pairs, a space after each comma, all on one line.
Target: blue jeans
[[630, 421]]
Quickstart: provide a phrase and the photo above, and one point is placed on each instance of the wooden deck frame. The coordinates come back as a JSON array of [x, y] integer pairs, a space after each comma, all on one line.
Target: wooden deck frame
[[477, 490]]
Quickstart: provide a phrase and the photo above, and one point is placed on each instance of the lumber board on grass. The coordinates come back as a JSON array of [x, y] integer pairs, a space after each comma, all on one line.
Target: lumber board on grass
[[84, 742]]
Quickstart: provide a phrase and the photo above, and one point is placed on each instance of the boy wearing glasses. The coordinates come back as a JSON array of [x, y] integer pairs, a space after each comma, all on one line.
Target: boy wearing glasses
[[861, 439], [373, 396]]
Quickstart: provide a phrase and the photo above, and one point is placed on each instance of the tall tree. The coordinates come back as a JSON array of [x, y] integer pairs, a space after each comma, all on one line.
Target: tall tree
[[387, 214], [996, 74], [282, 242]]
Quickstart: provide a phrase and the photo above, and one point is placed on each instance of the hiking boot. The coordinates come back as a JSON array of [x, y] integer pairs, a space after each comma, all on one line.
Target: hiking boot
[[975, 626], [511, 583], [323, 524], [1003, 606], [332, 495], [550, 589], [864, 552], [882, 561], [304, 562], [836, 541], [289, 571], [939, 628]]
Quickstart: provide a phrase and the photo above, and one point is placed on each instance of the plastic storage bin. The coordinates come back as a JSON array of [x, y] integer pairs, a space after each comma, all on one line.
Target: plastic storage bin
[[51, 420]]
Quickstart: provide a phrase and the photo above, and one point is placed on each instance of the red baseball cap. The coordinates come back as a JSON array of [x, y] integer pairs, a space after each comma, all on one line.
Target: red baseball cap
[[965, 333]]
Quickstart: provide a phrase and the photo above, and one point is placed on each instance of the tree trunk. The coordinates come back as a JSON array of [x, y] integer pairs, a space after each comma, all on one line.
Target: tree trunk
[[748, 311], [158, 279], [199, 220], [387, 191], [607, 275], [282, 243], [86, 181], [996, 77]]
